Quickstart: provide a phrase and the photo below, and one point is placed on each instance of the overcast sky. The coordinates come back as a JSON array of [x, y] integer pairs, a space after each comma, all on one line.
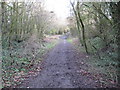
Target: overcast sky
[[60, 7]]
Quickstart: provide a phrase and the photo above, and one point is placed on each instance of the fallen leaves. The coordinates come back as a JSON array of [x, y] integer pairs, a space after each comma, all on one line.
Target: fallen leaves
[[83, 72]]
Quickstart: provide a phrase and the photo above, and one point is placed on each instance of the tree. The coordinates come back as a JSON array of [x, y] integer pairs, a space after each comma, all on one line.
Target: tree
[[80, 24]]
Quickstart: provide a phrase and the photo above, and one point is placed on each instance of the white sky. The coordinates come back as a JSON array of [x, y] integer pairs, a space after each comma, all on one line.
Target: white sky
[[60, 7]]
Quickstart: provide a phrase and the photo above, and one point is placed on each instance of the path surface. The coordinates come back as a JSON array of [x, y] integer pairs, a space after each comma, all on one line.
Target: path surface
[[62, 69]]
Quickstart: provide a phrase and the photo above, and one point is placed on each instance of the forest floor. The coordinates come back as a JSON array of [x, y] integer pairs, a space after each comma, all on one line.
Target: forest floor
[[63, 67]]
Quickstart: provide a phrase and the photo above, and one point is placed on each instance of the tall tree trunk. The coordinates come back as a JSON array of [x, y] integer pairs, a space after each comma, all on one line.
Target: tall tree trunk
[[83, 28], [78, 24]]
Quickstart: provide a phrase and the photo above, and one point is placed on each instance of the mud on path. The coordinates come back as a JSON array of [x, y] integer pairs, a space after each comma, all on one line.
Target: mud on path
[[63, 69]]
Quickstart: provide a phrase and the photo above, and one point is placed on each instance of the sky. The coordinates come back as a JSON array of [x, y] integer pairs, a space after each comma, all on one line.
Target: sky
[[60, 7]]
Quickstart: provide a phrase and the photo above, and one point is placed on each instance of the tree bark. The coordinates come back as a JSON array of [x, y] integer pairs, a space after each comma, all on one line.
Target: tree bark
[[83, 28], [78, 24]]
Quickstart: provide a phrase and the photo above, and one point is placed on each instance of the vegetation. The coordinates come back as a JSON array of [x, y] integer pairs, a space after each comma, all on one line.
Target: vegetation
[[27, 29], [98, 26], [24, 28]]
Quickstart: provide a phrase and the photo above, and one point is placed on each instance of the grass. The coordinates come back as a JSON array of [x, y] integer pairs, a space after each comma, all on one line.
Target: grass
[[70, 40], [51, 45], [16, 64], [106, 66]]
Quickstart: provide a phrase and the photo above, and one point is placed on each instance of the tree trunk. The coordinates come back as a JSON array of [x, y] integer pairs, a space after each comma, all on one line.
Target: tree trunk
[[83, 28], [78, 24]]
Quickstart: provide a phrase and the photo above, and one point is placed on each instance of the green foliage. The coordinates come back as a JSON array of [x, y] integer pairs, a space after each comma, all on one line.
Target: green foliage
[[48, 46], [97, 28], [70, 40], [106, 65], [22, 20], [98, 43], [17, 63], [101, 23]]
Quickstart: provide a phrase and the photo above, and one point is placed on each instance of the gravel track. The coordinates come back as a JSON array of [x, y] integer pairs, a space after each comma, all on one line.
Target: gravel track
[[61, 69]]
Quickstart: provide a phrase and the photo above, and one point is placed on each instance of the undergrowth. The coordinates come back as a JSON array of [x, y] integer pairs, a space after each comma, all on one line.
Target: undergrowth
[[18, 61], [105, 65]]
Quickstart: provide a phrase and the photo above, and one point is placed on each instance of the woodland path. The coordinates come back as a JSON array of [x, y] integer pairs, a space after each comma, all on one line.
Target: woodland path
[[63, 69]]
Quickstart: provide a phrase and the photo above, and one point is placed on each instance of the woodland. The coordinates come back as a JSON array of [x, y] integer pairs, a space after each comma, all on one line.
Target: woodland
[[27, 32]]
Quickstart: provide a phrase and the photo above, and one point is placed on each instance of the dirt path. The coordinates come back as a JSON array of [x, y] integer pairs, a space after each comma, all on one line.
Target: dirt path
[[62, 69]]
